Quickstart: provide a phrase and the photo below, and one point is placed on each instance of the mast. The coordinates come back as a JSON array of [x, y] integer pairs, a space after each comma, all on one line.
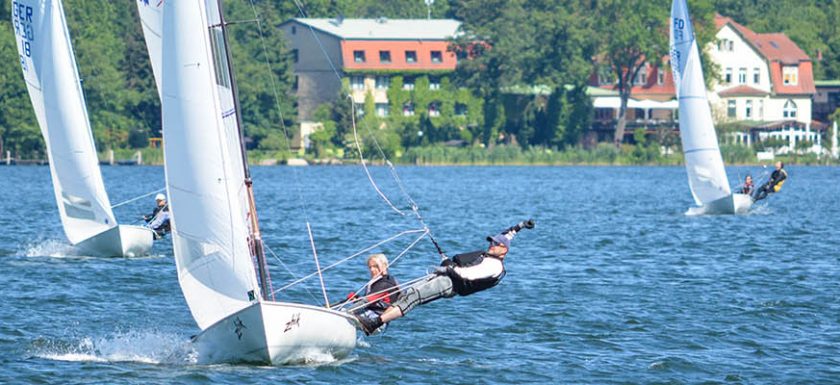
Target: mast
[[256, 237]]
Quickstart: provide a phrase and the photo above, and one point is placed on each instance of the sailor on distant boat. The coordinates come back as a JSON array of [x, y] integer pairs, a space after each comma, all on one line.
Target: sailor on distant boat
[[464, 274], [158, 220], [748, 187], [777, 179]]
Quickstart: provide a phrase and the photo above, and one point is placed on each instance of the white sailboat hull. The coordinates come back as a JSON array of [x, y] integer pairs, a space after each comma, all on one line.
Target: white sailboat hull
[[119, 241], [277, 333], [730, 204]]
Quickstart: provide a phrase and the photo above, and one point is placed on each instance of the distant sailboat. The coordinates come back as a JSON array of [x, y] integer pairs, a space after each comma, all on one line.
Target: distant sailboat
[[703, 161], [50, 72], [217, 242]]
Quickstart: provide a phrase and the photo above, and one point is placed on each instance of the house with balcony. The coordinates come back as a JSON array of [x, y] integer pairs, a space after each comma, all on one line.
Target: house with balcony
[[764, 94], [766, 88], [369, 54]]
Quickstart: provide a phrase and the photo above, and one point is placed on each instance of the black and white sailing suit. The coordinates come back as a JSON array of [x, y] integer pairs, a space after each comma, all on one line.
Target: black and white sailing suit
[[464, 274]]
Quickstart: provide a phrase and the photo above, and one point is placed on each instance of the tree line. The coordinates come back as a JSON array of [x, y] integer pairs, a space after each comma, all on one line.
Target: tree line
[[505, 45]]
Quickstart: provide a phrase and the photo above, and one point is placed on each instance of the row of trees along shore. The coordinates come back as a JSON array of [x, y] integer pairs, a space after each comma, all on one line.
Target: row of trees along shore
[[482, 115]]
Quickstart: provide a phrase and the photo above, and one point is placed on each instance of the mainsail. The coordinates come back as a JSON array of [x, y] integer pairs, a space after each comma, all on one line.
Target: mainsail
[[50, 72], [151, 18], [204, 165], [704, 164]]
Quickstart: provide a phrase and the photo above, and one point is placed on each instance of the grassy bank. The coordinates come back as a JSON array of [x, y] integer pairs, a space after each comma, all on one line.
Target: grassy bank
[[601, 155]]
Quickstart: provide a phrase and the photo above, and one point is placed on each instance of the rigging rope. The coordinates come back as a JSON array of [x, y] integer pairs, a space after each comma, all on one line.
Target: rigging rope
[[362, 158], [360, 252], [136, 198], [292, 273]]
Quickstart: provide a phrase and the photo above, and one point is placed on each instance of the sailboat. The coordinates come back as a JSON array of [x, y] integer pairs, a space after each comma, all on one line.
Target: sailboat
[[703, 161], [215, 232], [52, 79]]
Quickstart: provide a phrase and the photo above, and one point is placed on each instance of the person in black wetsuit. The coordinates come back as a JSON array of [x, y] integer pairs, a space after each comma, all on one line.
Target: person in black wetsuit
[[463, 275], [777, 179]]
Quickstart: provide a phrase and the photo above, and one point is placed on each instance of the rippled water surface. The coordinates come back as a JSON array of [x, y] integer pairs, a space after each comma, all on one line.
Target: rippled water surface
[[614, 286]]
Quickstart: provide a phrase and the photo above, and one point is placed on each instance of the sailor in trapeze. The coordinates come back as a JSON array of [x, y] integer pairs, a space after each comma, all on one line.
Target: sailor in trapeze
[[463, 274]]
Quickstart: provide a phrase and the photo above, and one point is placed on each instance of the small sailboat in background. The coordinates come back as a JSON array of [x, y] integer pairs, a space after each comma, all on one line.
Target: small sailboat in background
[[215, 232], [703, 161], [52, 79]]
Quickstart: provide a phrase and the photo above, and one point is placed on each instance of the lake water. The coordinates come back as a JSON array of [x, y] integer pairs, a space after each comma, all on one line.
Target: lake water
[[614, 286]]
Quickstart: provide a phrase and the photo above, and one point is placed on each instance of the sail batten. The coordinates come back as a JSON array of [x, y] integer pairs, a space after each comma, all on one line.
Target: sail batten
[[703, 161], [204, 173], [48, 63]]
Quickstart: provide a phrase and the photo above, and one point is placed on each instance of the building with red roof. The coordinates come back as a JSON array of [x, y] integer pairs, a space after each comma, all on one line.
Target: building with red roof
[[766, 85], [368, 52]]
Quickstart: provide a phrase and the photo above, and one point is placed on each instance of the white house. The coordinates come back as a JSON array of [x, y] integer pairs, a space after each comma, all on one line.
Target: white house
[[766, 87]]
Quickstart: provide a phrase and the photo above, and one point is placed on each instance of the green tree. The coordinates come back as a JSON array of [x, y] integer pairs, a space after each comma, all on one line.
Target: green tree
[[628, 42]]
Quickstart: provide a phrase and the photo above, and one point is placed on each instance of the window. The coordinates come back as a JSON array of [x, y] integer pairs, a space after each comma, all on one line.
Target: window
[[727, 76], [725, 45], [218, 48], [460, 109], [789, 75], [359, 56], [660, 77], [434, 109], [408, 83], [760, 115], [790, 109], [641, 77], [742, 76], [748, 110], [604, 78], [357, 83], [383, 82], [756, 75], [437, 57], [408, 109], [385, 57], [294, 30], [294, 55], [434, 83], [382, 109], [411, 57], [730, 108], [296, 84]]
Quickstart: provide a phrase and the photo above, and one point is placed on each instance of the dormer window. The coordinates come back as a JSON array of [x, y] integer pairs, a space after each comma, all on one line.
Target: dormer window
[[359, 56], [790, 75], [385, 57]]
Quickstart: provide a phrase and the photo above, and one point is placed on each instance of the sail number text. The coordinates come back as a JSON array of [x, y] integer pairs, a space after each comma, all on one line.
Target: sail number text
[[22, 15]]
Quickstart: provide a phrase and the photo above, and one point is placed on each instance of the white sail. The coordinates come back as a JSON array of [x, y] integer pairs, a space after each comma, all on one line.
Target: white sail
[[704, 164], [151, 18], [50, 72], [204, 170]]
